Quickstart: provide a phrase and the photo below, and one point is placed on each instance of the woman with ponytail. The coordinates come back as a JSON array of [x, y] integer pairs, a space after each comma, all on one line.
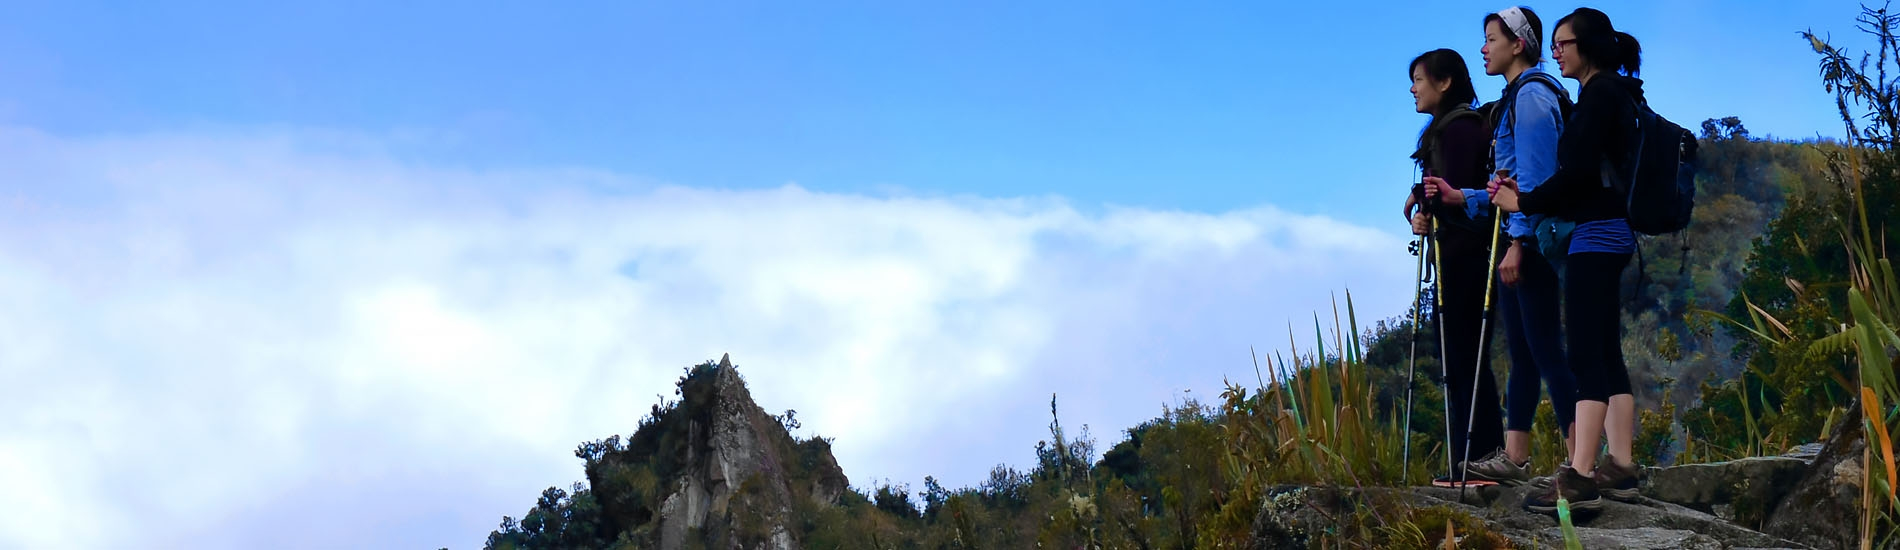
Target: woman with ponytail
[[1453, 151], [1604, 61]]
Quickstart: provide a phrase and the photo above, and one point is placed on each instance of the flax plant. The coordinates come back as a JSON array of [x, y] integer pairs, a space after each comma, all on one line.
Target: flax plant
[[1874, 295], [1314, 421]]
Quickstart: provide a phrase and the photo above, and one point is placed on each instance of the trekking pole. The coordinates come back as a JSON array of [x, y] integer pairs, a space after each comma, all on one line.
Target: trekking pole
[[1438, 324], [1484, 325], [1411, 366]]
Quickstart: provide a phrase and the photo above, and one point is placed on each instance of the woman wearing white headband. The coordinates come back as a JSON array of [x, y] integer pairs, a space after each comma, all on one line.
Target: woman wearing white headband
[[1527, 120], [1605, 62]]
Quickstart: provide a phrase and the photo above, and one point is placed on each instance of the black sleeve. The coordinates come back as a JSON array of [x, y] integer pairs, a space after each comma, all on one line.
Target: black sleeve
[[1601, 109]]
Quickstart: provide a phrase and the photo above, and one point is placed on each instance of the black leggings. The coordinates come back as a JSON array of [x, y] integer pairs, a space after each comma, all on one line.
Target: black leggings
[[1532, 316], [1462, 278], [1593, 283]]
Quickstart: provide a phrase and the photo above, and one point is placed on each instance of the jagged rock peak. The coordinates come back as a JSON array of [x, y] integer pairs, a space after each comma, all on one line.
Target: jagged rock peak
[[714, 470]]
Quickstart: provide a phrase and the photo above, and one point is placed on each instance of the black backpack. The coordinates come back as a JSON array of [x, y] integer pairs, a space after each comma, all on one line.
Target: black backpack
[[1658, 174]]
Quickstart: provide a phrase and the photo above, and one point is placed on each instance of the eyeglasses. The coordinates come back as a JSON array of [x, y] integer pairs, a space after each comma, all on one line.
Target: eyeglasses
[[1558, 47]]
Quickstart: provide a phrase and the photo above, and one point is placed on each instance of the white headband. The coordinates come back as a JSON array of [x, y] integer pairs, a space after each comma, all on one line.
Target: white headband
[[1520, 25]]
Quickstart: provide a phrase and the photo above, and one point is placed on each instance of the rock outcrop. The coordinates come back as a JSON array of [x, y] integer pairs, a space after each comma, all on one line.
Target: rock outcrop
[[714, 470], [1741, 491], [1823, 508]]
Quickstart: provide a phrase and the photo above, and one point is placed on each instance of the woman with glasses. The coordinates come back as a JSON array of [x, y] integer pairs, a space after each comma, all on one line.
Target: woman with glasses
[[1604, 61], [1454, 151]]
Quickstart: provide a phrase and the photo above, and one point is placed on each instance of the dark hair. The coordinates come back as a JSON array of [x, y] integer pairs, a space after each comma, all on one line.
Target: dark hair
[[1442, 65], [1533, 53], [1607, 49]]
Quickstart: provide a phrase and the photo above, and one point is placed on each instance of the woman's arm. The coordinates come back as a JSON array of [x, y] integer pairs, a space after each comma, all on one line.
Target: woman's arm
[[1536, 121], [1579, 151]]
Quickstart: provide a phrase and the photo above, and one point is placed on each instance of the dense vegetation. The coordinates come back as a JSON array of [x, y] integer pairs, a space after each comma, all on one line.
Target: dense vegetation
[[1762, 326]]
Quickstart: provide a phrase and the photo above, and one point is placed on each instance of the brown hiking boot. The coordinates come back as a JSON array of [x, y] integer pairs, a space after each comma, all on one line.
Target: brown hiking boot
[[1577, 488], [1453, 480], [1543, 482], [1618, 481], [1498, 467]]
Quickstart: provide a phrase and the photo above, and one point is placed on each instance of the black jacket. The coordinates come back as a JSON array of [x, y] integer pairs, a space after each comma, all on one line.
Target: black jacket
[[1457, 147], [1601, 129]]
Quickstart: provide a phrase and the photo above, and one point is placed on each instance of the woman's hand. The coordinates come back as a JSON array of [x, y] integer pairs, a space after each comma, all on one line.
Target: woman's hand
[[1504, 193], [1507, 269], [1437, 188], [1421, 222]]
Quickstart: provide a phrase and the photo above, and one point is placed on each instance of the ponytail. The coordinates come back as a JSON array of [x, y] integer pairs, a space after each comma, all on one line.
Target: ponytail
[[1607, 49], [1629, 53]]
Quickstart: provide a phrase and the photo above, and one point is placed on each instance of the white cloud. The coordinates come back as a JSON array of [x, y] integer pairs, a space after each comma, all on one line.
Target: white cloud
[[243, 340]]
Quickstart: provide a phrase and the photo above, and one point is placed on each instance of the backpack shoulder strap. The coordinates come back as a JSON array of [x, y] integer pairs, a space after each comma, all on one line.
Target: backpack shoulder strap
[[1433, 150], [1551, 81], [1440, 122], [1460, 113], [1508, 103]]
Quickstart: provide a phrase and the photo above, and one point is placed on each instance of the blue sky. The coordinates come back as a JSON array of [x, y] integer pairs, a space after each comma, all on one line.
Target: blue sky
[[1203, 107], [363, 275]]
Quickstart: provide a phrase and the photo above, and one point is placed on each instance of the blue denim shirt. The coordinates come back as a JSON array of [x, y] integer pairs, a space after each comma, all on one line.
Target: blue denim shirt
[[1529, 149]]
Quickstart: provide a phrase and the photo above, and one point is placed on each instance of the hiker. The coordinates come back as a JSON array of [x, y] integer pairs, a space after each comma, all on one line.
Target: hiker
[[1600, 131], [1527, 120], [1454, 150]]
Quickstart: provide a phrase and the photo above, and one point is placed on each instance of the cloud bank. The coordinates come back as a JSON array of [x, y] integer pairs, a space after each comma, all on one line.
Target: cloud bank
[[269, 340]]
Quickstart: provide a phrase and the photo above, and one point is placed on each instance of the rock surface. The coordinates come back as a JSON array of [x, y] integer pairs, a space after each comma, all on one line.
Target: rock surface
[[1291, 515], [1741, 491], [1807, 498], [1823, 509]]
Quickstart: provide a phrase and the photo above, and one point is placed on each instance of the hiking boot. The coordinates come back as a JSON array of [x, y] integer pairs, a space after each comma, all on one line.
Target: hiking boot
[[1498, 467], [1454, 479], [1617, 481], [1579, 489], [1452, 482], [1543, 482]]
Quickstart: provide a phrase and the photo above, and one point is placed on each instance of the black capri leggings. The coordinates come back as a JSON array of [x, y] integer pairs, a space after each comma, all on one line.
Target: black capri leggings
[[1593, 283]]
